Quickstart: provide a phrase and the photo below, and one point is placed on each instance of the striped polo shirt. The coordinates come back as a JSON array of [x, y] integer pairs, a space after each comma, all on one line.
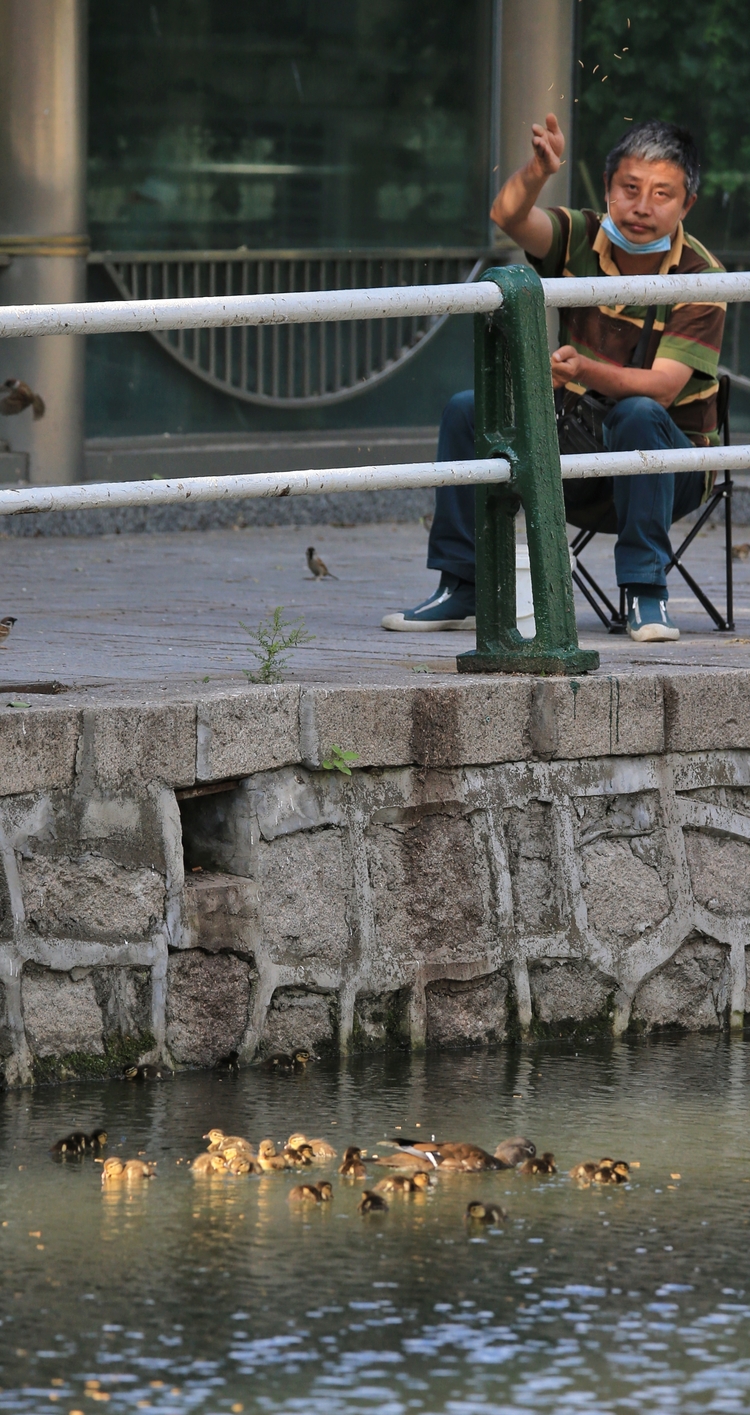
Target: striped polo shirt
[[688, 333]]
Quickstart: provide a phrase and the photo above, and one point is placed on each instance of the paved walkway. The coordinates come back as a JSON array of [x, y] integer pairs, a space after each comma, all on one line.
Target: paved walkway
[[166, 609]]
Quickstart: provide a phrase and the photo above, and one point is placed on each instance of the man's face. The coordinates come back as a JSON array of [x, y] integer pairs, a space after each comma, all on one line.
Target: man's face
[[647, 199]]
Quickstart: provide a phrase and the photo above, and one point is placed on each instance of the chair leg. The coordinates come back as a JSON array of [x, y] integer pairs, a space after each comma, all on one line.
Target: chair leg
[[585, 591], [722, 623], [728, 484]]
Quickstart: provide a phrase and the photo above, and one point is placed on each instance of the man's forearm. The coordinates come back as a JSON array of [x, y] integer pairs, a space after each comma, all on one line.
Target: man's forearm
[[616, 382], [517, 196]]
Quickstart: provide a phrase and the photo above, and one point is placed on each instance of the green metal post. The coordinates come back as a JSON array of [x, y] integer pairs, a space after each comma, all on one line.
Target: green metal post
[[515, 418]]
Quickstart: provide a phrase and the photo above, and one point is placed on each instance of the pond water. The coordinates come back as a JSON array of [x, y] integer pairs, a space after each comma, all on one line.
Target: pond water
[[189, 1295]]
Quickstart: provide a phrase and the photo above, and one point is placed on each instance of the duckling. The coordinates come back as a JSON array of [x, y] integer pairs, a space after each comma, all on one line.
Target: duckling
[[514, 1151], [236, 1151], [607, 1174], [147, 1072], [97, 1139], [396, 1184], [113, 1168], [269, 1160], [209, 1164], [230, 1062], [477, 1212], [622, 1168], [219, 1142], [242, 1164], [421, 1180], [352, 1165], [139, 1169], [584, 1172], [325, 1189], [297, 1139], [322, 1150], [69, 1145], [305, 1194], [372, 1203], [279, 1061], [541, 1164], [301, 1155], [300, 1059]]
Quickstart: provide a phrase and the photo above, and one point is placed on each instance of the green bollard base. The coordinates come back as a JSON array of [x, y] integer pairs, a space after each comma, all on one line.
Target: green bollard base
[[559, 662]]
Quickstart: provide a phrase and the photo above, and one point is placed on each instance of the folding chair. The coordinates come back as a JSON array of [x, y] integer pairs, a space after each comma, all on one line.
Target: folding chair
[[601, 517]]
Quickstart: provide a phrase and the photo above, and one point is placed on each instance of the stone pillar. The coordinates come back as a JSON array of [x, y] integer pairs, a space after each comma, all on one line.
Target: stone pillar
[[43, 104], [536, 78]]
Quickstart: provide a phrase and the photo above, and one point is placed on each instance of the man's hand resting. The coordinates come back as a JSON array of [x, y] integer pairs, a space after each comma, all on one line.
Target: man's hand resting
[[663, 382]]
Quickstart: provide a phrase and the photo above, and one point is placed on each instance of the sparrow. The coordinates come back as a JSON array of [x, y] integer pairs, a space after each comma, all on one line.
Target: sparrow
[[18, 397], [316, 566], [6, 625]]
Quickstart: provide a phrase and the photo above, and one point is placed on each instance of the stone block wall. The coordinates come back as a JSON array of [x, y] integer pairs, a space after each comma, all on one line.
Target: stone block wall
[[181, 879]]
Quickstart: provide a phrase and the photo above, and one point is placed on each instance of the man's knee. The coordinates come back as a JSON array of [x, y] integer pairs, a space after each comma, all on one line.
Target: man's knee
[[459, 410], [635, 422]]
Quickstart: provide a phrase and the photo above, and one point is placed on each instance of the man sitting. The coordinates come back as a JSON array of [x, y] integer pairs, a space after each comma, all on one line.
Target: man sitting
[[651, 181]]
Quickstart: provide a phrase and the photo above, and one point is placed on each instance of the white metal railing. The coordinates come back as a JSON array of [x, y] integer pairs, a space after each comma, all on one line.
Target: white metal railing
[[15, 501], [315, 307]]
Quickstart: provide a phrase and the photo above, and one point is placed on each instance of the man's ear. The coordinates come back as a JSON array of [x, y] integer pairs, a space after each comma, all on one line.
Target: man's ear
[[688, 205]]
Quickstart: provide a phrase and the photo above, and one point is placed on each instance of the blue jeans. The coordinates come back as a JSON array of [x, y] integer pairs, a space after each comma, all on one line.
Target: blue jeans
[[645, 506]]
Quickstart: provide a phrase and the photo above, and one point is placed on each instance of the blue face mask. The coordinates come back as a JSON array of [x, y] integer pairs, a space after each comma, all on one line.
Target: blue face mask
[[648, 248]]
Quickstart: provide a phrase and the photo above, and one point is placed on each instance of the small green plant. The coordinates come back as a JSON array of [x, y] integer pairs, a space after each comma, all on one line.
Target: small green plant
[[338, 760], [272, 642]]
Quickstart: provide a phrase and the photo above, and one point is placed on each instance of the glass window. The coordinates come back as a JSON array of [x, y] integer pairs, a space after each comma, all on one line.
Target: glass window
[[302, 123]]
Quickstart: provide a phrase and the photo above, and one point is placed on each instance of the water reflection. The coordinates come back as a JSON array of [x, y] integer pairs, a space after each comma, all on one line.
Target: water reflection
[[215, 1294]]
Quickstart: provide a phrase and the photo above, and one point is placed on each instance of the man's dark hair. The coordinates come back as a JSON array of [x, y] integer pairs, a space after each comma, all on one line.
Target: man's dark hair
[[654, 141]]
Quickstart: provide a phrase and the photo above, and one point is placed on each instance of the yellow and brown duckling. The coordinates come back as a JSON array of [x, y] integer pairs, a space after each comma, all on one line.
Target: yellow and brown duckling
[[607, 1171], [489, 1214], [403, 1183], [321, 1150], [312, 1193], [241, 1164], [209, 1164], [617, 1172], [280, 1062], [269, 1159], [147, 1072], [352, 1166], [130, 1171], [514, 1151], [372, 1203], [299, 1155], [540, 1164]]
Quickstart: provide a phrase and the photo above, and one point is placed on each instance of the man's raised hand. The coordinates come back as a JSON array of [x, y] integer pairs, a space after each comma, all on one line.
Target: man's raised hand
[[549, 145]]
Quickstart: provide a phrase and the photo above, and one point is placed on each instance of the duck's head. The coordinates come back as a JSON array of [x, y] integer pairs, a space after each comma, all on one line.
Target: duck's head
[[112, 1169], [352, 1153], [621, 1168], [325, 1190], [98, 1137], [130, 1073], [214, 1136], [301, 1057], [266, 1150], [297, 1140], [420, 1180]]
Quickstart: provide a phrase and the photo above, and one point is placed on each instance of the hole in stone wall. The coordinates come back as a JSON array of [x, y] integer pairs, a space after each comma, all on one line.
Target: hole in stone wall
[[209, 827]]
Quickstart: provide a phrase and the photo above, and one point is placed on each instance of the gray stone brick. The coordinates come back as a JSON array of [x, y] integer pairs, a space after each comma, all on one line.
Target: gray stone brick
[[137, 742], [253, 729], [222, 912], [208, 997], [305, 887], [691, 991], [445, 724], [567, 991], [707, 711], [90, 898], [37, 748], [462, 1011], [299, 1018], [719, 872], [61, 1015]]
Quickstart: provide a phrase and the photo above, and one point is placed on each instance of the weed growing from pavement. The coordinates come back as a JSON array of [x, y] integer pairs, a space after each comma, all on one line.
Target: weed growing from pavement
[[273, 638]]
